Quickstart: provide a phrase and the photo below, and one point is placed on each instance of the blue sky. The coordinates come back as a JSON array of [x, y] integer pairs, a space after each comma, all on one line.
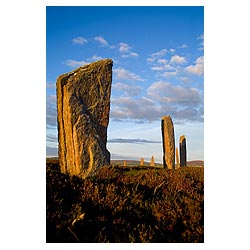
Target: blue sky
[[158, 70]]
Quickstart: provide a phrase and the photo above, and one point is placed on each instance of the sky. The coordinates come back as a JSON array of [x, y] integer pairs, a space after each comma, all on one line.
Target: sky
[[158, 70]]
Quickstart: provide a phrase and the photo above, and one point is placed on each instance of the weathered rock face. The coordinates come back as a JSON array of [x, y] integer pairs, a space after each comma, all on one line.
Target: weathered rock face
[[83, 104], [168, 140], [142, 162], [183, 151], [177, 158]]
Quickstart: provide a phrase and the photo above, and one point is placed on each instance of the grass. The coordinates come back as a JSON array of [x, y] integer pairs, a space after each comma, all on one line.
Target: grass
[[149, 205]]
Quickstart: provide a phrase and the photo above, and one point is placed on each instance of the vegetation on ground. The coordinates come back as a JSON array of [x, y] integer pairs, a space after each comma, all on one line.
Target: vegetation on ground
[[150, 205]]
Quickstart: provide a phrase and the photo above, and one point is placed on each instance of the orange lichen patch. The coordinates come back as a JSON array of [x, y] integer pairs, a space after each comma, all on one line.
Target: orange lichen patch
[[182, 137]]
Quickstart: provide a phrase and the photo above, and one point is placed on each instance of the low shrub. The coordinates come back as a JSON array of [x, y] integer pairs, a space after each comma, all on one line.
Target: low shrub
[[113, 206]]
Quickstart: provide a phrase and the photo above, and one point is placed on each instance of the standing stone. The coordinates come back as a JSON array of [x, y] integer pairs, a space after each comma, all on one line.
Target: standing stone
[[183, 151], [142, 162], [125, 163], [152, 163], [168, 140], [177, 158], [83, 104]]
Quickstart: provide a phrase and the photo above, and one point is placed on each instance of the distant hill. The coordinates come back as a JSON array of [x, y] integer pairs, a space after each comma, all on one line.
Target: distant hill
[[132, 163], [136, 163], [197, 163]]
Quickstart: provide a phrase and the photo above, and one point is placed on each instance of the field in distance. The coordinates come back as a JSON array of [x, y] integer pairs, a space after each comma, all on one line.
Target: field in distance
[[132, 163], [196, 163]]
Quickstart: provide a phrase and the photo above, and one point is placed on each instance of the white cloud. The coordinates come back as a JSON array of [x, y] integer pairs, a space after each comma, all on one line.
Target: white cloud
[[96, 58], [177, 59], [124, 47], [123, 74], [74, 63], [198, 68], [160, 53], [158, 68], [133, 54], [169, 74], [160, 64], [201, 38], [172, 50], [130, 55], [185, 79], [183, 46], [79, 40], [131, 90], [155, 56], [162, 67], [101, 40], [162, 61]]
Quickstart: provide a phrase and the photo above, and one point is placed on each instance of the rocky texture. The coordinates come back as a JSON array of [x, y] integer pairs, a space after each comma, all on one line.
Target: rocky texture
[[183, 151], [142, 162], [152, 163], [177, 158], [83, 104], [168, 140]]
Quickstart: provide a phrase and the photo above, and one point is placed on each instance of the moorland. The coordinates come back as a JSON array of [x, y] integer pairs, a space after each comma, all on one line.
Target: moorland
[[132, 204]]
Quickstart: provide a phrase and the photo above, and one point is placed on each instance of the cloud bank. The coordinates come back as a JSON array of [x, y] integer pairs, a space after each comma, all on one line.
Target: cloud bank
[[162, 98], [126, 89], [51, 112], [135, 141]]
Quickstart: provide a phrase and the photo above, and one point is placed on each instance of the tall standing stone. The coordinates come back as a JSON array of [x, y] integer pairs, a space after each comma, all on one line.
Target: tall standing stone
[[142, 162], [183, 151], [168, 140], [177, 158], [152, 162], [83, 104]]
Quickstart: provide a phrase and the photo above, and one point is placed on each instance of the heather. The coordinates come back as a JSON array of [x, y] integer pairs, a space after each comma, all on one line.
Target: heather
[[148, 205]]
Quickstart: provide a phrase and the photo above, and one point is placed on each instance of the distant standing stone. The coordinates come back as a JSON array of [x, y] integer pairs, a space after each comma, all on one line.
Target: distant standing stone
[[83, 104], [125, 163], [177, 158], [183, 151], [152, 163], [168, 140], [142, 162]]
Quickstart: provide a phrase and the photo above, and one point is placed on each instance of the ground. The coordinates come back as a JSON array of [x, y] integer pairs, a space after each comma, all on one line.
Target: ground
[[126, 205]]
